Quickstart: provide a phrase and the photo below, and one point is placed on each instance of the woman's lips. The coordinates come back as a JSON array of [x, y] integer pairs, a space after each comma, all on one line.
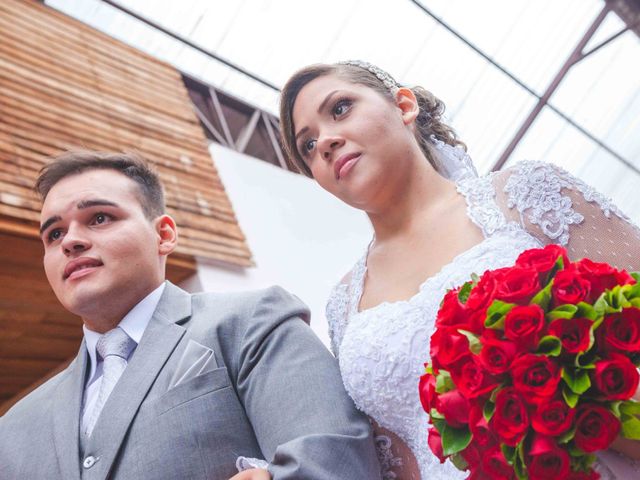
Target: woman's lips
[[345, 164]]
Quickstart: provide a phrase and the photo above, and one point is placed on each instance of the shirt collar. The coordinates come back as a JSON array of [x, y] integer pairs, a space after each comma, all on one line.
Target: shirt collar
[[134, 324]]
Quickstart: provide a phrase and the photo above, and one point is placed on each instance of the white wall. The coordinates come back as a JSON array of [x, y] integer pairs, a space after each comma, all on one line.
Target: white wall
[[302, 238]]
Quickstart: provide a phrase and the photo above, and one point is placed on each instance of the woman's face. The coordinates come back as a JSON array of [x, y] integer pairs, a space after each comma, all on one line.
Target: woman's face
[[353, 139]]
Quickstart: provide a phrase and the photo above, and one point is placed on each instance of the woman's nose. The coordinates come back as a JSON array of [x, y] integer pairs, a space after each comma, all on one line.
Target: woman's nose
[[329, 144]]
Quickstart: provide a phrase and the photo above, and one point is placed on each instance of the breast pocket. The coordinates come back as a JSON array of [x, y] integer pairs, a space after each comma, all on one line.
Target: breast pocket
[[193, 389]]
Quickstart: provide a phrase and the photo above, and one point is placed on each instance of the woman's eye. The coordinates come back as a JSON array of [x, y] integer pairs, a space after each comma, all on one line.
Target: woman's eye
[[308, 146], [341, 107]]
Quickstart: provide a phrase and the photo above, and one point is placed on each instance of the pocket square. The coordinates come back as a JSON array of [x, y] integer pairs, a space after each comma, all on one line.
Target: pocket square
[[196, 360]]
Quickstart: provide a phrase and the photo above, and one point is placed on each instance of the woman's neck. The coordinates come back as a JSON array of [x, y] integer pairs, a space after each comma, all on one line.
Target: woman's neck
[[422, 195]]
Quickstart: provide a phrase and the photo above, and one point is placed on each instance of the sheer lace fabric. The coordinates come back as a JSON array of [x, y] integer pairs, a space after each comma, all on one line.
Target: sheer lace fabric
[[381, 350]]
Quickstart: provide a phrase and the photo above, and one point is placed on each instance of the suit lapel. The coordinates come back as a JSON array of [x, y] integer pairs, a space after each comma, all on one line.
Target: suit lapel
[[158, 342], [66, 416]]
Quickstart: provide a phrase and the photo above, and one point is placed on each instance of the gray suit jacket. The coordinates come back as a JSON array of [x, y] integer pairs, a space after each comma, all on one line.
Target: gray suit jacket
[[270, 389]]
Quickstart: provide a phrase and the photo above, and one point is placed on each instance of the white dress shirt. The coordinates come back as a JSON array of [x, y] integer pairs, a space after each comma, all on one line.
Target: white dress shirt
[[134, 324]]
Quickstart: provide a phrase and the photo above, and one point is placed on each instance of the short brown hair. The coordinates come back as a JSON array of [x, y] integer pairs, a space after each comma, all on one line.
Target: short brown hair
[[132, 165]]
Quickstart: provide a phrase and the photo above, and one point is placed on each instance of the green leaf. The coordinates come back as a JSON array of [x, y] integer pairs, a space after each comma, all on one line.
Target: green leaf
[[543, 297], [459, 462], [586, 311], [444, 383], [569, 397], [636, 276], [601, 306], [576, 379], [550, 346], [519, 468], [630, 407], [567, 436], [440, 424], [509, 453], [488, 410], [435, 415], [428, 368], [474, 341], [631, 427], [563, 311], [496, 313], [463, 294], [454, 440]]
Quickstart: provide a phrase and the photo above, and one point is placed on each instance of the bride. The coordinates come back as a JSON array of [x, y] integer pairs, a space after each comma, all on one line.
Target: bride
[[383, 148]]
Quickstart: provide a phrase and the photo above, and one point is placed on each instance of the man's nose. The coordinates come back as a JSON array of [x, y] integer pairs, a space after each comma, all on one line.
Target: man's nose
[[75, 241]]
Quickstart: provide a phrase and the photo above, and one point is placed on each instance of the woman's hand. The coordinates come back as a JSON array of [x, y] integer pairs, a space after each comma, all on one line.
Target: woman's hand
[[252, 474]]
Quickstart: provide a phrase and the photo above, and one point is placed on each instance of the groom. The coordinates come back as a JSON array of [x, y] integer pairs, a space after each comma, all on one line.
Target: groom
[[169, 385]]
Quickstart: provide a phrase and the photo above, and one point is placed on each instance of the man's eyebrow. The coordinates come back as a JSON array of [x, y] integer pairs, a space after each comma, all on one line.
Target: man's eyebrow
[[49, 222], [95, 203], [80, 206], [320, 108]]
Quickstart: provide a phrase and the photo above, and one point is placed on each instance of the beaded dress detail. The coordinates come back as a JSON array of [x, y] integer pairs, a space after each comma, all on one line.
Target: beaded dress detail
[[381, 350]]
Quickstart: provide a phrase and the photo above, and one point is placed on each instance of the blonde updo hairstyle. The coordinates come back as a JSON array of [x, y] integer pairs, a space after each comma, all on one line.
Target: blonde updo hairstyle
[[428, 123]]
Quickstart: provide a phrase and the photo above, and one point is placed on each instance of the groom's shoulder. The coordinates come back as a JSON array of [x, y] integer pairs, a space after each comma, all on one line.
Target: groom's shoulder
[[243, 307]]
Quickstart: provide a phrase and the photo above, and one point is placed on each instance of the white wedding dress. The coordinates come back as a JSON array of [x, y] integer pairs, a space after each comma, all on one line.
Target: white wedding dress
[[382, 350]]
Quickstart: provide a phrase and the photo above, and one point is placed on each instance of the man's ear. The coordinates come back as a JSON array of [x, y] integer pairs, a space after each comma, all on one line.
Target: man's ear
[[408, 105], [167, 234]]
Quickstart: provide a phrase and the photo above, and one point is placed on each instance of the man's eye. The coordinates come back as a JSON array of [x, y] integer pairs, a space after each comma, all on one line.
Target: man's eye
[[54, 235], [101, 218]]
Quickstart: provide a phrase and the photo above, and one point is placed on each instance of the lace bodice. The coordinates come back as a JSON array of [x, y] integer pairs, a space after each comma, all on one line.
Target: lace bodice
[[381, 350]]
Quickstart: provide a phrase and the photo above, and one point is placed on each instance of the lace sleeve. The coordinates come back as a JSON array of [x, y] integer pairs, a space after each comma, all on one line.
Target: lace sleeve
[[556, 207], [337, 312]]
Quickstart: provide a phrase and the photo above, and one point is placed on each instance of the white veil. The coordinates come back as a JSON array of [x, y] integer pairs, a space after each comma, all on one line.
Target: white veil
[[453, 163]]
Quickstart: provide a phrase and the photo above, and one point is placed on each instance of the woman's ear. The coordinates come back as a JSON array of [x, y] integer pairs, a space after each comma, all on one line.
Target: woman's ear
[[408, 105], [167, 234]]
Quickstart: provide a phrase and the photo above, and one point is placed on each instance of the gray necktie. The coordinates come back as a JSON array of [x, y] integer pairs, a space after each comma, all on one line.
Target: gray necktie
[[114, 347]]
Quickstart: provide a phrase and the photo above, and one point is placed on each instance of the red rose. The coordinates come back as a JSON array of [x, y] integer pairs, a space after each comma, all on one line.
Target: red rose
[[602, 276], [473, 456], [471, 378], [447, 346], [482, 434], [543, 259], [451, 313], [517, 285], [620, 332], [573, 333], [524, 326], [596, 428], [510, 419], [569, 286], [496, 466], [435, 444], [454, 407], [547, 459], [496, 355], [536, 377], [616, 377], [552, 418], [427, 389], [481, 295]]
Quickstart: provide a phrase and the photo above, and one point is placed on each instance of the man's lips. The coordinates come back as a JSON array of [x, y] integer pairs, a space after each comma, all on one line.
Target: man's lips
[[74, 267], [344, 163]]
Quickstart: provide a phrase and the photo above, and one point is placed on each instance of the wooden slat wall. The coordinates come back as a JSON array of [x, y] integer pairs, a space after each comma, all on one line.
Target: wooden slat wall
[[65, 85]]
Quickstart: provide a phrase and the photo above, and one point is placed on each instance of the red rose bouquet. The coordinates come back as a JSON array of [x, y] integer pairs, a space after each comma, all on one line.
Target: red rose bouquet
[[533, 368]]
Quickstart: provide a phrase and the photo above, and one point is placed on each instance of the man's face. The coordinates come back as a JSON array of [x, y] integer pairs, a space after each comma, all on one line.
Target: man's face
[[101, 254]]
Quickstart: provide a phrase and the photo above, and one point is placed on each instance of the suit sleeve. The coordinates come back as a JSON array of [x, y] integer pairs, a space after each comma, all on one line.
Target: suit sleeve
[[290, 385]]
